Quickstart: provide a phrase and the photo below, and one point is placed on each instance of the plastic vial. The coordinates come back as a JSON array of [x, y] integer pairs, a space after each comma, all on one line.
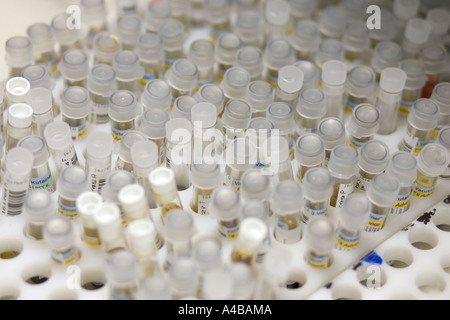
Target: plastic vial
[[255, 187], [185, 276], [441, 95], [311, 109], [305, 39], [290, 82], [74, 68], [353, 217], [404, 10], [128, 71], [153, 126], [94, 15], [110, 227], [278, 53], [373, 160], [66, 37], [259, 131], [154, 288], [129, 28], [363, 125], [133, 202], [319, 237], [235, 83], [19, 124], [75, 108], [106, 45], [356, 41], [202, 54], [182, 78], [433, 57], [218, 285], [343, 167], [439, 19], [115, 181], [16, 91], [182, 107], [37, 209], [392, 83], [276, 20], [40, 100], [41, 176], [179, 229], [123, 149], [16, 180], [225, 206], [387, 54], [172, 34], [59, 141], [309, 153], [260, 95], [415, 82], [432, 162], [156, 13], [334, 78], [333, 21], [88, 204], [329, 49], [388, 30], [227, 48], [101, 85], [211, 93], [123, 275], [282, 116], [19, 55], [310, 72], [151, 56], [241, 155], [415, 37], [317, 191], [204, 120], [205, 179], [422, 121], [251, 59], [253, 233], [444, 140], [360, 87], [164, 188], [235, 120], [123, 110], [333, 133], [287, 205], [43, 40], [218, 17], [59, 234], [157, 95], [99, 149], [249, 28], [72, 182], [279, 159]]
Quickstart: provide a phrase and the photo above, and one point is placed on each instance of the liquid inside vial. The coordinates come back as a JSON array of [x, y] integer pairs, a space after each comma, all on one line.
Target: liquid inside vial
[[288, 228], [378, 216], [425, 185], [403, 203]]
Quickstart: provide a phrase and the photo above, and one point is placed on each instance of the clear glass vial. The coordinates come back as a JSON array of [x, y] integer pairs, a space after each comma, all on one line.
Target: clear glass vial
[[278, 53], [360, 87], [290, 82], [317, 192], [115, 181], [225, 206], [153, 126], [19, 55], [123, 275], [101, 85], [123, 149], [75, 108], [227, 47], [133, 203], [260, 95], [179, 230], [59, 234], [310, 110], [59, 141], [333, 133], [99, 150], [415, 82], [182, 78], [38, 208], [334, 78], [319, 238], [123, 111], [309, 153], [252, 60], [19, 124], [373, 160], [253, 233], [110, 227], [88, 204], [205, 179], [74, 68], [441, 95], [72, 182]]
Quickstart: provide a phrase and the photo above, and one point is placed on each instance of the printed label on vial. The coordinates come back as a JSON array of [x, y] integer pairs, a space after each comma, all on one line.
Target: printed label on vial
[[423, 192], [98, 177], [318, 262], [350, 106], [315, 212], [230, 233], [344, 191], [405, 106], [346, 242], [66, 258], [118, 134], [401, 204], [147, 78], [67, 158], [376, 222], [78, 132], [68, 211], [44, 183], [362, 183], [202, 204], [355, 144]]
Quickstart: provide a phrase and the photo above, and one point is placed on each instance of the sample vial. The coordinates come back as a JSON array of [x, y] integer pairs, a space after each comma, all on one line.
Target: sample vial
[[415, 37], [227, 48], [422, 121], [392, 83], [333, 133], [404, 11], [202, 54], [38, 208], [75, 108], [235, 83], [128, 71], [241, 155], [439, 19], [334, 77], [444, 140], [248, 27], [218, 17], [211, 93], [153, 126], [99, 149], [205, 179], [225, 206], [287, 205], [356, 41], [156, 13], [363, 125], [387, 54], [16, 91], [251, 59], [155, 287], [319, 237], [403, 165], [16, 181], [88, 204], [59, 141], [290, 82], [59, 234], [343, 167], [432, 162], [133, 203], [317, 192], [415, 82], [157, 95], [40, 100], [382, 193], [305, 39], [19, 55], [172, 34], [129, 28], [123, 149], [72, 182], [311, 109], [276, 20], [204, 120], [253, 233], [43, 40], [441, 95], [123, 274], [106, 45], [74, 68], [282, 116], [309, 153], [259, 130], [101, 85], [310, 72], [255, 186], [353, 217], [151, 56], [182, 107], [360, 87], [278, 53], [123, 110], [433, 57], [236, 120], [115, 181], [19, 124], [94, 15], [373, 160], [41, 176], [66, 37], [279, 158], [185, 276], [179, 229], [329, 49], [164, 188], [260, 95], [110, 227], [182, 78], [333, 21]]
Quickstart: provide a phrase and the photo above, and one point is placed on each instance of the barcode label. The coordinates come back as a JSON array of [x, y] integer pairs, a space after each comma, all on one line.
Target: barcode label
[[14, 193], [67, 158]]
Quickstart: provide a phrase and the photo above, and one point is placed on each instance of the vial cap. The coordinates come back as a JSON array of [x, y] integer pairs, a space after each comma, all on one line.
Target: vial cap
[[329, 49], [58, 135], [235, 82], [20, 115], [157, 95], [237, 114], [344, 161], [310, 150], [424, 114], [123, 267], [290, 79], [157, 12], [156, 287], [172, 33], [75, 102], [115, 181], [282, 116], [277, 12], [361, 81], [150, 47], [255, 209], [303, 8], [213, 94], [141, 235], [129, 27], [307, 35], [123, 147], [365, 121], [179, 131], [255, 185], [310, 72], [99, 146], [287, 197], [126, 64], [38, 76], [162, 181], [260, 95], [145, 156], [133, 201], [259, 127], [383, 190], [38, 147], [355, 213], [38, 206], [333, 21], [406, 9], [312, 103], [74, 65], [334, 73], [332, 131], [184, 273], [252, 233], [393, 80], [444, 137], [72, 182], [106, 45], [414, 69], [387, 54], [388, 30], [182, 107], [41, 35], [225, 203], [319, 235], [123, 106], [88, 204], [441, 95], [218, 284], [202, 53], [276, 151], [19, 51], [16, 89], [251, 59], [19, 162], [153, 123], [317, 184], [206, 175], [439, 19], [40, 100], [227, 47], [433, 58], [417, 31], [248, 22], [204, 115], [279, 53], [109, 222], [101, 79], [374, 156], [179, 226], [433, 159], [208, 253], [183, 75], [403, 165], [59, 233]]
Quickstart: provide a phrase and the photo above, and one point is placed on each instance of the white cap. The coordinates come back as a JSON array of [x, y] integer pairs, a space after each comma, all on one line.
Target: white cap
[[374, 156], [162, 181], [334, 73], [39, 76], [101, 79], [40, 100], [109, 222], [41, 35], [287, 197], [99, 146], [235, 82], [290, 79], [279, 53], [127, 66], [343, 161], [383, 190], [20, 115], [204, 115], [202, 53], [182, 107], [441, 95], [106, 45], [310, 150], [252, 233], [153, 123], [424, 114], [58, 135], [251, 59], [225, 203], [332, 131], [183, 75], [16, 89], [277, 12], [19, 162], [211, 93], [206, 175], [227, 47], [145, 156], [260, 95], [393, 80], [406, 9], [207, 251], [72, 182], [129, 28], [141, 235], [123, 106], [255, 185], [19, 51], [123, 147], [133, 201], [75, 102], [38, 147], [88, 204], [417, 31], [39, 206], [155, 287], [312, 103]]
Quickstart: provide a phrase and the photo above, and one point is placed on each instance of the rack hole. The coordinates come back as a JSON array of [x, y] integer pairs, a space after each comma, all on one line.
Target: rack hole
[[10, 248], [92, 279], [345, 292], [423, 239], [430, 283], [445, 264], [398, 257], [36, 274], [442, 221], [371, 276], [295, 280]]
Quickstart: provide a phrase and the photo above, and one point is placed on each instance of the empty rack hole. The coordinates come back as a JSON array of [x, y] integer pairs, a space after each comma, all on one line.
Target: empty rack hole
[[398, 257], [423, 238], [295, 280], [442, 221], [36, 273], [371, 276], [63, 294], [10, 248], [92, 279], [9, 291], [345, 292], [445, 263], [430, 283]]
